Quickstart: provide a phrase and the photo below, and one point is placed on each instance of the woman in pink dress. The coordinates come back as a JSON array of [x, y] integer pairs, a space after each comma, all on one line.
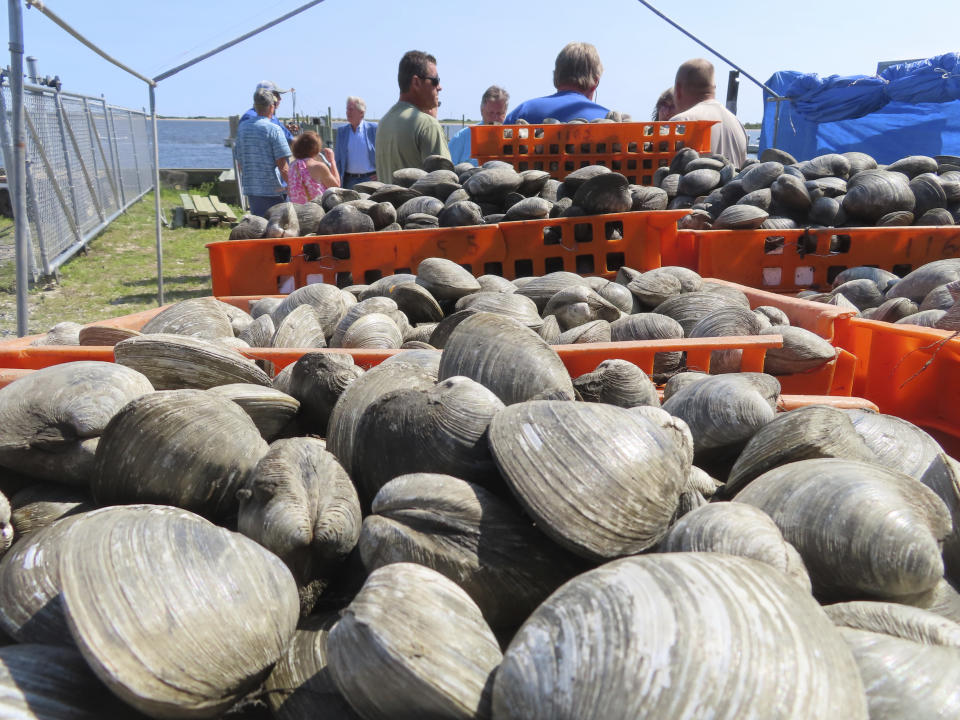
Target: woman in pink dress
[[313, 169]]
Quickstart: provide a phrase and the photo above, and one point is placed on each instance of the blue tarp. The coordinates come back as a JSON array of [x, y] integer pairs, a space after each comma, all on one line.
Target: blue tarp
[[908, 109]]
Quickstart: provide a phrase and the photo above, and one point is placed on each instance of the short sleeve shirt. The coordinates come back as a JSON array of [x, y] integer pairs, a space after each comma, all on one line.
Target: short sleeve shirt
[[259, 145]]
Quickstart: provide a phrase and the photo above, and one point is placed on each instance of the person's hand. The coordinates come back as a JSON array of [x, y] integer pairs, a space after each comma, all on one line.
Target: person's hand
[[328, 154], [293, 127]]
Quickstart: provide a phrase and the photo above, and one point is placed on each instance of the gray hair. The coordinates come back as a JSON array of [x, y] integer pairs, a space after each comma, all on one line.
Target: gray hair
[[263, 99], [360, 104], [494, 93], [579, 66]]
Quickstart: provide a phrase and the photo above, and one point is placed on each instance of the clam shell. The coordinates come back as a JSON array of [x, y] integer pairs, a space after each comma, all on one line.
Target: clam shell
[[50, 420], [902, 621], [300, 328], [682, 158], [647, 197], [897, 218], [736, 529], [826, 211], [178, 361], [530, 208], [883, 279], [617, 382], [260, 332], [518, 307], [775, 315], [859, 161], [861, 529], [541, 289], [379, 380], [678, 635], [249, 227], [103, 335], [200, 627], [264, 306], [445, 279], [373, 330], [874, 193], [495, 283], [438, 183], [936, 216], [187, 448], [772, 154], [699, 181], [654, 287], [611, 496], [63, 333], [471, 536], [578, 177], [893, 310], [270, 409], [300, 504], [740, 217], [335, 196], [823, 166], [534, 181], [421, 204], [37, 506], [725, 322], [327, 300], [317, 380], [491, 184], [615, 294], [903, 678], [814, 431], [862, 293], [373, 303], [605, 193], [681, 379], [790, 192], [416, 302], [405, 177], [577, 305], [914, 165], [802, 350], [760, 176], [397, 194], [590, 332], [762, 199], [344, 219], [507, 358], [929, 193], [462, 213], [438, 662], [550, 331], [690, 308], [442, 429], [725, 410]]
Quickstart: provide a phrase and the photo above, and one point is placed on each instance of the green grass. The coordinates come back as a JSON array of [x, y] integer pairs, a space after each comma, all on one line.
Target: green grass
[[117, 273]]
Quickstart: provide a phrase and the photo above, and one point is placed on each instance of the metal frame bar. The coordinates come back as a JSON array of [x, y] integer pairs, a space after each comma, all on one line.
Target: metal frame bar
[[38, 225], [94, 195], [53, 179], [71, 184], [156, 193], [106, 165], [8, 162], [136, 162], [115, 153], [18, 176]]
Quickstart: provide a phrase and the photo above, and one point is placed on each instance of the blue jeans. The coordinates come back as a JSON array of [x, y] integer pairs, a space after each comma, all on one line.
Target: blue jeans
[[349, 179], [259, 204]]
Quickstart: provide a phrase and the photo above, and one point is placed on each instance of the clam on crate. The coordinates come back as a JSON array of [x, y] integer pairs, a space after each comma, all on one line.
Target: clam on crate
[[794, 260], [634, 150], [587, 245]]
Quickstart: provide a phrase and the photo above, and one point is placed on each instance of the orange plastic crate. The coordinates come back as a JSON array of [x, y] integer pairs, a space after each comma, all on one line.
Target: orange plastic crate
[[270, 265], [794, 260], [635, 150]]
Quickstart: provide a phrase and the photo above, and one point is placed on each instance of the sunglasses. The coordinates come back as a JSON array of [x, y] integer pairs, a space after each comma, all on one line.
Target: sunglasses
[[435, 80]]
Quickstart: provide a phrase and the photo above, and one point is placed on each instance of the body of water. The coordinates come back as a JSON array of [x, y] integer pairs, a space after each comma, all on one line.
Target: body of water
[[199, 143]]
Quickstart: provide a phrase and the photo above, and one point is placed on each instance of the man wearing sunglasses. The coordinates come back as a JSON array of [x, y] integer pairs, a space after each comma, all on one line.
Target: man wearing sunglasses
[[408, 133]]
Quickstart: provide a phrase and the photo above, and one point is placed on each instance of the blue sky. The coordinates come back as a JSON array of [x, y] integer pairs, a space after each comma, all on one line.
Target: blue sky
[[348, 47]]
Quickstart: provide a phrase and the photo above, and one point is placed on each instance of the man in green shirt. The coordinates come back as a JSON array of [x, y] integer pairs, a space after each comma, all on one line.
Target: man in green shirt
[[408, 133]]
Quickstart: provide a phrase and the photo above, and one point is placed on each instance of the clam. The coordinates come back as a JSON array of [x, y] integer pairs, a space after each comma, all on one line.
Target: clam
[[264, 306], [680, 380], [520, 308], [772, 154], [550, 330], [654, 287], [530, 208], [682, 158], [614, 293], [929, 193], [940, 298], [270, 409], [461, 213], [859, 161], [690, 308], [416, 303], [904, 678], [441, 429], [936, 216], [647, 197], [344, 219], [604, 193], [300, 328], [589, 332], [759, 176], [37, 506], [814, 431], [762, 199], [790, 192], [249, 227], [678, 635], [373, 303], [63, 333], [827, 211], [722, 322], [862, 529], [824, 166], [902, 621], [883, 279], [438, 183], [445, 279], [541, 289], [736, 529], [725, 410], [184, 633], [178, 361], [327, 300], [188, 448], [534, 181], [874, 193], [104, 335], [456, 196], [802, 351], [471, 536], [420, 204], [578, 177], [373, 330], [260, 332], [282, 221], [491, 184], [379, 380], [897, 218], [599, 480], [299, 503], [862, 293], [317, 381], [51, 419], [577, 305], [300, 686], [509, 359], [775, 315], [914, 165], [396, 194], [437, 662], [308, 217], [617, 382], [699, 181], [892, 310], [670, 184], [335, 196], [740, 217], [495, 283]]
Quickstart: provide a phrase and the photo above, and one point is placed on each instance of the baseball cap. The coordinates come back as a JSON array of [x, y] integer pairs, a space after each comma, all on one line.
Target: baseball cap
[[271, 86]]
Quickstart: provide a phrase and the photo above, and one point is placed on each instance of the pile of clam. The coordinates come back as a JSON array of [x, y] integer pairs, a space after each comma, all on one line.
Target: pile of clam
[[928, 296], [420, 311], [465, 533], [443, 195], [833, 190]]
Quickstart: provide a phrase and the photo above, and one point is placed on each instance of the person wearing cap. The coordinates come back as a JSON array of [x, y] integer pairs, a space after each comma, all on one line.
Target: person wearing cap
[[262, 156], [272, 88], [356, 145], [408, 133]]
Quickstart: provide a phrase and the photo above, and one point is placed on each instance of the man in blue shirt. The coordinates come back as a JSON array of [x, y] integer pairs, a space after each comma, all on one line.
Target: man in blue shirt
[[251, 114], [493, 108], [355, 145], [576, 75], [262, 156]]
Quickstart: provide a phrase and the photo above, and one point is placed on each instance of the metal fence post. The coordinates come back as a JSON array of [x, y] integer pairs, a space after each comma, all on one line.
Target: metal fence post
[[95, 134], [66, 159], [17, 194], [115, 152], [156, 193], [38, 225], [136, 162]]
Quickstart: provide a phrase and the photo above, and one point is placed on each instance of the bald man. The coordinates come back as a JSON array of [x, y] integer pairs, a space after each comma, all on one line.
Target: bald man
[[694, 96]]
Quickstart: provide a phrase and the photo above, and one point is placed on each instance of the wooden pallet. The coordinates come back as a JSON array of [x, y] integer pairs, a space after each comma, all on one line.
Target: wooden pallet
[[203, 212]]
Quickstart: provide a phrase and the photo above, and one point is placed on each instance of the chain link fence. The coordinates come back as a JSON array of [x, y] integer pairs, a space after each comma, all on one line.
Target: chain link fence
[[87, 161]]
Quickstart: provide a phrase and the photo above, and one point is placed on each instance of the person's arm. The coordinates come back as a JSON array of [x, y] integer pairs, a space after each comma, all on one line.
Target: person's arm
[[341, 151], [283, 166], [433, 140], [327, 176]]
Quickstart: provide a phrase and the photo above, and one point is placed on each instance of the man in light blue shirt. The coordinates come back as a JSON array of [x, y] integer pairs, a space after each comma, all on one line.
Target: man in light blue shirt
[[355, 145], [251, 114], [262, 156], [493, 109], [576, 75]]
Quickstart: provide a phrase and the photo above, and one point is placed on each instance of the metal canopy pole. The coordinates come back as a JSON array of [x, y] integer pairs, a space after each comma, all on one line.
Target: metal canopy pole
[[19, 169], [156, 192]]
